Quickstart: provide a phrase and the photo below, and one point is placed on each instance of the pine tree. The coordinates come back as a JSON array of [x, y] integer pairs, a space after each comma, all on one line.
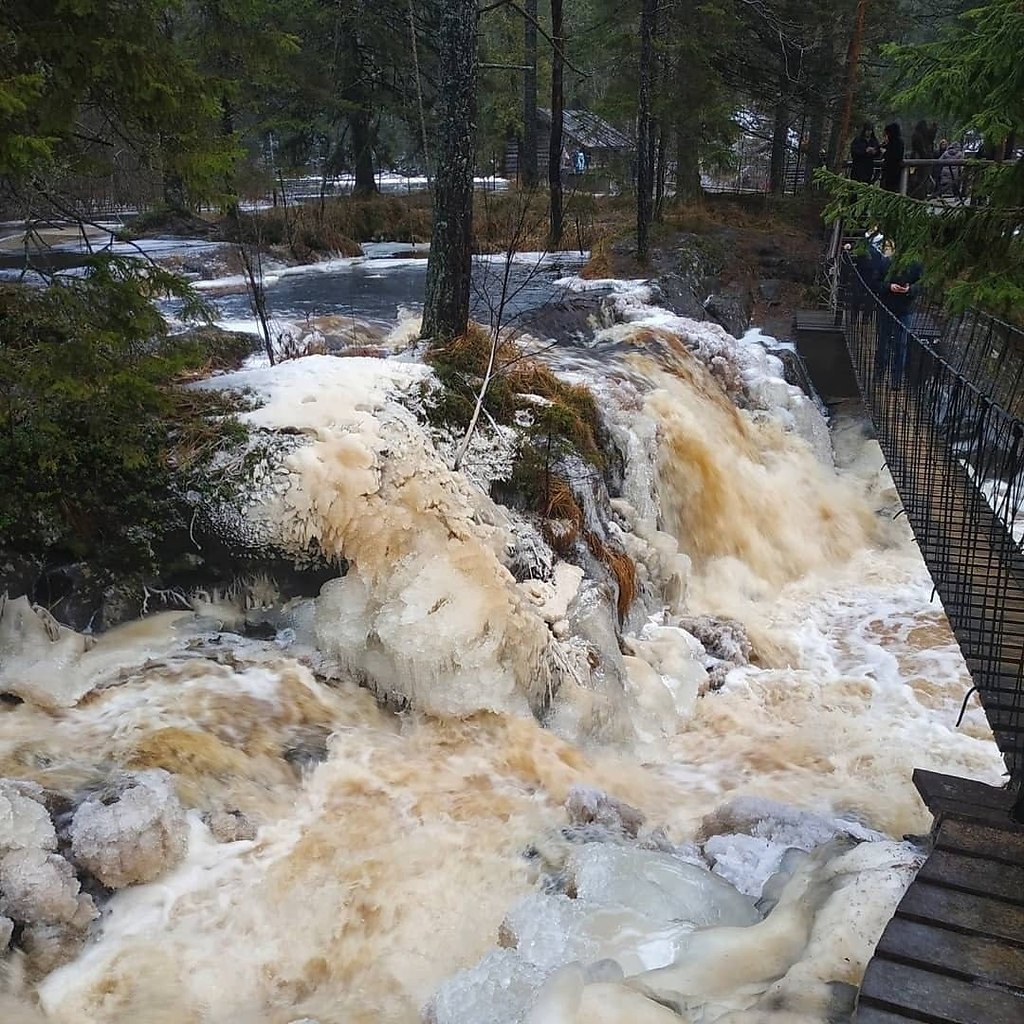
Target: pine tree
[[78, 78]]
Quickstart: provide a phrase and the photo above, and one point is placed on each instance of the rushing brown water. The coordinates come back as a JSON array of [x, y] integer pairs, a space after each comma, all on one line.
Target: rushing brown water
[[389, 851]]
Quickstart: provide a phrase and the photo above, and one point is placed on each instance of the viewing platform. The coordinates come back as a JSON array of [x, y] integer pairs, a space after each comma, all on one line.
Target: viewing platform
[[954, 951], [945, 393]]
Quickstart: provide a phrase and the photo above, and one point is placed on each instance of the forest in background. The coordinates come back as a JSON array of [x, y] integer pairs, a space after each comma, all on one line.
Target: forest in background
[[200, 105], [192, 102]]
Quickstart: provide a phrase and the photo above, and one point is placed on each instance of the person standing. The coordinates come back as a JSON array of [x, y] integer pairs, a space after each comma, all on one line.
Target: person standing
[[863, 151], [921, 148], [898, 289], [892, 159]]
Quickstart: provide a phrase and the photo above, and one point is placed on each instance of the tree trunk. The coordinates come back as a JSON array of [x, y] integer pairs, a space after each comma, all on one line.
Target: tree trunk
[[419, 87], [842, 131], [528, 171], [660, 172], [555, 147], [362, 151], [644, 168], [687, 160], [815, 139], [449, 268], [175, 195], [359, 121], [780, 143]]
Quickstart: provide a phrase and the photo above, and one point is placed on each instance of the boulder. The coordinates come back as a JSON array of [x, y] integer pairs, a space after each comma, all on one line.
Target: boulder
[[41, 888], [732, 309], [24, 821], [49, 946], [770, 291], [586, 805], [132, 834], [679, 294], [229, 826]]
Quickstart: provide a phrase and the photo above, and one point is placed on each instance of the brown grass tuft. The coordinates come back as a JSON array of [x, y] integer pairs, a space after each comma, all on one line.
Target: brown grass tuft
[[621, 566], [599, 265], [563, 517]]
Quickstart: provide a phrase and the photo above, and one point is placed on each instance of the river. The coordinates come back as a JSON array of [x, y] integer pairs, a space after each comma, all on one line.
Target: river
[[460, 862]]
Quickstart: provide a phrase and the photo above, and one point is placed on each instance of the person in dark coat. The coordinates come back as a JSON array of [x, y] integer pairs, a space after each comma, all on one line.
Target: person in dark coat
[[892, 158], [863, 151], [898, 289], [870, 266], [922, 147]]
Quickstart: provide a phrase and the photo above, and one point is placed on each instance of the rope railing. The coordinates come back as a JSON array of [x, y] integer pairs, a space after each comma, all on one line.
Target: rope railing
[[942, 393]]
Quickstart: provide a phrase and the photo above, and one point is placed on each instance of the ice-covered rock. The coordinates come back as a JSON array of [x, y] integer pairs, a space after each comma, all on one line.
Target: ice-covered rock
[[677, 660], [724, 639], [230, 826], [49, 946], [550, 931], [499, 990], [586, 805], [133, 835], [36, 653], [553, 598], [41, 887], [428, 613], [24, 822], [717, 961], [747, 839], [658, 885]]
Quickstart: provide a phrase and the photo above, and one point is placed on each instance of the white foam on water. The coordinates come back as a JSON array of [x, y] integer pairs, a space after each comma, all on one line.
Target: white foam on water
[[388, 874]]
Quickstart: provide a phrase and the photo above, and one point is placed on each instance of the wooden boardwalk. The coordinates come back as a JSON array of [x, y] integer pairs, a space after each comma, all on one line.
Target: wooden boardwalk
[[954, 951]]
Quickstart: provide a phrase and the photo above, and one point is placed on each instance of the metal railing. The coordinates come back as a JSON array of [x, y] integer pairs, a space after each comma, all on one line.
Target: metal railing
[[942, 392]]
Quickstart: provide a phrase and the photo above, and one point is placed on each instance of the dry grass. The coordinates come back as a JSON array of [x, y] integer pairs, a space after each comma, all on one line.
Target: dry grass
[[564, 527], [622, 568], [571, 413]]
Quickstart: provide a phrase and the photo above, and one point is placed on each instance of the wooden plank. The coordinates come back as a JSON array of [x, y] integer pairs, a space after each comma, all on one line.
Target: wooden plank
[[970, 874], [980, 840], [926, 996], [933, 785], [948, 811], [958, 911], [872, 1015], [972, 957]]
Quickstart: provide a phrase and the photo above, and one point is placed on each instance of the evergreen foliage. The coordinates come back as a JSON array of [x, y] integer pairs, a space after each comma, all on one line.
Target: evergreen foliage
[[91, 421], [974, 76], [83, 79]]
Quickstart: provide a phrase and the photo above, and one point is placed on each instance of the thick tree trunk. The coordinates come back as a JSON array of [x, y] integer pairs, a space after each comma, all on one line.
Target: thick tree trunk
[[687, 160], [449, 268], [780, 142], [555, 147], [362, 151], [529, 173], [644, 134]]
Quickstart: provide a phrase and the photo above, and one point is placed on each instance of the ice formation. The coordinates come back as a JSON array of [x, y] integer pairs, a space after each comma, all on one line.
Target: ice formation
[[38, 887], [133, 835], [757, 574]]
